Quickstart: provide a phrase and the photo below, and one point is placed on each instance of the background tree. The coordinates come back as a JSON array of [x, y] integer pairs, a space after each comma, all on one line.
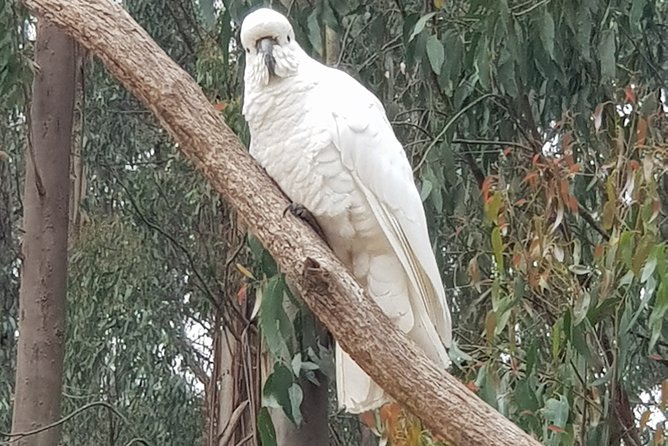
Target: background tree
[[41, 342], [537, 132]]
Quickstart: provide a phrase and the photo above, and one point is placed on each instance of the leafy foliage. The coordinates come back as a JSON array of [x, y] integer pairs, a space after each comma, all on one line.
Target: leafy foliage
[[537, 133]]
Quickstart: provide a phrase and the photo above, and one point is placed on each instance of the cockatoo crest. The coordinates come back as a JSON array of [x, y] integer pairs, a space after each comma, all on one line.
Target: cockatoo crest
[[269, 42]]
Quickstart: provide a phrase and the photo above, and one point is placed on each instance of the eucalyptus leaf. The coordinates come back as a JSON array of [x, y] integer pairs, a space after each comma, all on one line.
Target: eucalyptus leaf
[[435, 53], [421, 23]]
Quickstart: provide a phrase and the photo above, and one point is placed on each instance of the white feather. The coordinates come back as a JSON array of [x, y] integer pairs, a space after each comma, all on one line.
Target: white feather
[[326, 141]]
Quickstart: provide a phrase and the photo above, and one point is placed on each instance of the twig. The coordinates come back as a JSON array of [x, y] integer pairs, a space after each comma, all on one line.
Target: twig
[[226, 435], [245, 439], [483, 142], [20, 435], [343, 41], [530, 8], [586, 216], [447, 127]]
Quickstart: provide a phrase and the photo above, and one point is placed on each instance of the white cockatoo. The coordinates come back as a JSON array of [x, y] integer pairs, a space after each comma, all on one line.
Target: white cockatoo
[[326, 141]]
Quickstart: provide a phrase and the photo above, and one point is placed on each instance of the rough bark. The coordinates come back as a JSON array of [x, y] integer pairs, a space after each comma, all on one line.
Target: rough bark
[[444, 404], [41, 343]]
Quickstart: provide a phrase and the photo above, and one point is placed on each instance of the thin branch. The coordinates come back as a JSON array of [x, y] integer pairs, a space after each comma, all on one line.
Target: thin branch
[[483, 142], [344, 40], [226, 435], [19, 435], [531, 8], [447, 127], [586, 216]]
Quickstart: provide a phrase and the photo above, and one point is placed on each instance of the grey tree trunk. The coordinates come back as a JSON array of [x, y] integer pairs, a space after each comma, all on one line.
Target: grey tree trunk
[[314, 407], [41, 340]]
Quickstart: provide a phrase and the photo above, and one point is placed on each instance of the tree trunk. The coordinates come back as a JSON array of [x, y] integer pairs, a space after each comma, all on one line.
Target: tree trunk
[[314, 430], [41, 340], [445, 405]]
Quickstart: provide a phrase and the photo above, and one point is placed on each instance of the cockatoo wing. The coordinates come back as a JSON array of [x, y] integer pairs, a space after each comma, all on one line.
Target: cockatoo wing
[[372, 153]]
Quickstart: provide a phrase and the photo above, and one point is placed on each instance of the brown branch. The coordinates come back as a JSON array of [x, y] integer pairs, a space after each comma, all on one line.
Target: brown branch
[[586, 216], [225, 436], [384, 352]]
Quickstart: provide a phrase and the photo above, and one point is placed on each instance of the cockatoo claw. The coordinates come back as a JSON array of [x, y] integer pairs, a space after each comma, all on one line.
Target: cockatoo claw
[[299, 211]]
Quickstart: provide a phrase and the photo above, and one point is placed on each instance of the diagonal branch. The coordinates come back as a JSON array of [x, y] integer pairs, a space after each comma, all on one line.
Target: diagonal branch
[[328, 288]]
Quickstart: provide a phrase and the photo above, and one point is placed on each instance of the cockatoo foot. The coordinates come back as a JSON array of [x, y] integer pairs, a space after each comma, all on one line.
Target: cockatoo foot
[[300, 211]]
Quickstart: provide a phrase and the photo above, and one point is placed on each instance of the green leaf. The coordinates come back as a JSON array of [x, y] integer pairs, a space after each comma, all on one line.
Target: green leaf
[[581, 308], [648, 269], [457, 355], [547, 32], [419, 26], [641, 254], [276, 326], [426, 189], [296, 364], [497, 248], [635, 14], [265, 428], [584, 26], [296, 396], [556, 411], [493, 206], [435, 54], [449, 163], [606, 49], [483, 63], [464, 90], [314, 32], [557, 330], [656, 318], [275, 392]]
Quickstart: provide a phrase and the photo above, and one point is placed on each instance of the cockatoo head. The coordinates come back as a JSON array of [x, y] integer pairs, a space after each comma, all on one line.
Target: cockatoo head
[[269, 42]]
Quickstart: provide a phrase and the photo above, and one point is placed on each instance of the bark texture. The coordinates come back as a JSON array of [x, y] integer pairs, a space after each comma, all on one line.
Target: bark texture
[[331, 292], [39, 370]]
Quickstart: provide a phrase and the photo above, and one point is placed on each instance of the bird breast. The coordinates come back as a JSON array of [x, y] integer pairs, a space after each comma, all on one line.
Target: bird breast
[[291, 140]]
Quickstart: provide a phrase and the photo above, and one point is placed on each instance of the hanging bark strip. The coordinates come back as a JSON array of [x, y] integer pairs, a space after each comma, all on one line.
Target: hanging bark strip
[[331, 292]]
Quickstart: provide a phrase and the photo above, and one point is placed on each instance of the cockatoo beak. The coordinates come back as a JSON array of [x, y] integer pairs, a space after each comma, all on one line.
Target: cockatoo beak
[[266, 47]]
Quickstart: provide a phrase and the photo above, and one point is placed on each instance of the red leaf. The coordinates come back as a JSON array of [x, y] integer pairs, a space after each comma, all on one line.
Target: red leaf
[[641, 132], [368, 419], [486, 186], [472, 387], [630, 94], [241, 294], [634, 165], [555, 428]]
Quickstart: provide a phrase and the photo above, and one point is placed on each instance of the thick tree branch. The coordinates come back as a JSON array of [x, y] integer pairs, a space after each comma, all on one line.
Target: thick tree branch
[[331, 292]]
